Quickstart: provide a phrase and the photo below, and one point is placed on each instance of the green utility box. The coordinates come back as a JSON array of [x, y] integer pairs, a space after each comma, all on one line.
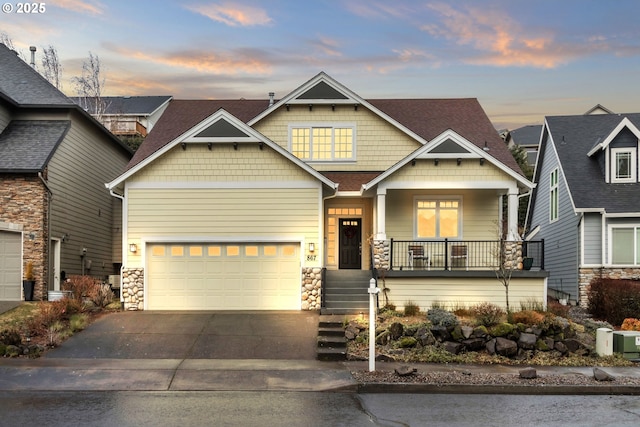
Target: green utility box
[[627, 343]]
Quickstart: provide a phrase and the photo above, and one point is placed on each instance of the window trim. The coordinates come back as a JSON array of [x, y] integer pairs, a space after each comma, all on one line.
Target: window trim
[[443, 198], [635, 227], [633, 151], [554, 195], [324, 125]]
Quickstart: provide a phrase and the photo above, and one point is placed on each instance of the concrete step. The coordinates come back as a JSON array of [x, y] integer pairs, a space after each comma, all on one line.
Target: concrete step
[[332, 354], [332, 342]]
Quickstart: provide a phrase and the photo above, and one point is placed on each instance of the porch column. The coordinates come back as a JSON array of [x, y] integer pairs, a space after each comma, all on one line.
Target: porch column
[[512, 218], [381, 201]]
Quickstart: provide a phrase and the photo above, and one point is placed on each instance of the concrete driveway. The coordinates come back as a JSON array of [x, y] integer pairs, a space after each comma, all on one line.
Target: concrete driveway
[[195, 335]]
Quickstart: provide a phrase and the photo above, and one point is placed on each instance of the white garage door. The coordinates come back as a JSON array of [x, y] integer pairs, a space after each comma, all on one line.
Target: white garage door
[[10, 256], [233, 276]]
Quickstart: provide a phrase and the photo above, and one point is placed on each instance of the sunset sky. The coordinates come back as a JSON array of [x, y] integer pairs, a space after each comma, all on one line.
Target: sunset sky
[[522, 59]]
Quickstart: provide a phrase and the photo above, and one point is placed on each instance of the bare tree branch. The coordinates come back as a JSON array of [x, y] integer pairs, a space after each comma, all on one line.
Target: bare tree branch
[[89, 87], [51, 67]]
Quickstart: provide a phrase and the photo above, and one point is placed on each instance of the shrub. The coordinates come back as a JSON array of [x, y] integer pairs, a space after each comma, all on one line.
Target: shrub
[[629, 324], [101, 295], [531, 304], [46, 315], [78, 322], [487, 314], [10, 337], [411, 308], [614, 300], [558, 309], [440, 317], [527, 317]]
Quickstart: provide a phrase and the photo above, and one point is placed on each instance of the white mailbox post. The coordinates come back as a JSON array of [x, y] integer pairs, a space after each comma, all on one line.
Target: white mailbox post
[[373, 290]]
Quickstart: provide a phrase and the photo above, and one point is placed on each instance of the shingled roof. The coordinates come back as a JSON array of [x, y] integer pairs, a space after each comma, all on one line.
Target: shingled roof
[[126, 105], [574, 137], [427, 118], [22, 85], [27, 145]]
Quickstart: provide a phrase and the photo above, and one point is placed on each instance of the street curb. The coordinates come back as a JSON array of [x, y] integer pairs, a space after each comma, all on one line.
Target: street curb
[[364, 388]]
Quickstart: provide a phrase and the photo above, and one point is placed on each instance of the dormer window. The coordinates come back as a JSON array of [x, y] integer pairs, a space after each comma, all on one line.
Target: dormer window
[[323, 143], [623, 165]]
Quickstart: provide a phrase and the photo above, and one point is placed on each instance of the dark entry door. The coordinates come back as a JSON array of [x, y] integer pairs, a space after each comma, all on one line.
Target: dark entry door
[[350, 243]]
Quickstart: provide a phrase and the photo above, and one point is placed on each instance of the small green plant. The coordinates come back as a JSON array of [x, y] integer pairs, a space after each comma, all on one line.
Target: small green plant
[[438, 305], [53, 332], [78, 321], [411, 308], [487, 314], [532, 304], [440, 317]]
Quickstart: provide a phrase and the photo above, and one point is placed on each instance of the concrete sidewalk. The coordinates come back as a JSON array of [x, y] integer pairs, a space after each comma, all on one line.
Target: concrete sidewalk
[[269, 375]]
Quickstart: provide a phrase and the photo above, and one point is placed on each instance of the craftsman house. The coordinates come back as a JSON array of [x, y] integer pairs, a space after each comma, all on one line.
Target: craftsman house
[[295, 203], [586, 205], [55, 214]]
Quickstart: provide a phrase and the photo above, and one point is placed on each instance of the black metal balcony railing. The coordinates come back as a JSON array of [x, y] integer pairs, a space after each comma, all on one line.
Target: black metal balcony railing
[[464, 254]]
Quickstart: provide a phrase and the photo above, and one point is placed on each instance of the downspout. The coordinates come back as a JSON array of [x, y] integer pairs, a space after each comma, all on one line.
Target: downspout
[[48, 241]]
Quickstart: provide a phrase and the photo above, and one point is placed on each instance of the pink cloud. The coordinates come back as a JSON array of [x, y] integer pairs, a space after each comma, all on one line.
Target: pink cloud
[[233, 14], [80, 6]]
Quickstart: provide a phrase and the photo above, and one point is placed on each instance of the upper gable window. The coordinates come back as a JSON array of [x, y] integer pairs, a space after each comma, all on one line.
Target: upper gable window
[[553, 196], [623, 164], [322, 143]]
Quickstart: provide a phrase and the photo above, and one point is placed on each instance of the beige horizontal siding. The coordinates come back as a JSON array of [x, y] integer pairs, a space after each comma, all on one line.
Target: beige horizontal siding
[[379, 145], [270, 213], [221, 164], [463, 292]]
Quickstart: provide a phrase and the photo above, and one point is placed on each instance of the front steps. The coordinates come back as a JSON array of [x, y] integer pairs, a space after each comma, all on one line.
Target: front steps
[[345, 292], [332, 344]]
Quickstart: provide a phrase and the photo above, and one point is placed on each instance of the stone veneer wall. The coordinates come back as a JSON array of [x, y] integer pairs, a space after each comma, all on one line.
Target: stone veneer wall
[[311, 288], [586, 275], [132, 288], [24, 200], [381, 254]]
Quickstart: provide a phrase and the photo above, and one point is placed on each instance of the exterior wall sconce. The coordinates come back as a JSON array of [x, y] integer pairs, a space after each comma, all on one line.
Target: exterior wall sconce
[[184, 145], [333, 107], [458, 161], [235, 146], [209, 146], [310, 107], [413, 162], [261, 145], [481, 161], [133, 248], [312, 247], [436, 161]]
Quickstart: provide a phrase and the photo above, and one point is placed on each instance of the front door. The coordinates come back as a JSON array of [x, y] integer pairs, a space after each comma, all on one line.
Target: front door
[[350, 243]]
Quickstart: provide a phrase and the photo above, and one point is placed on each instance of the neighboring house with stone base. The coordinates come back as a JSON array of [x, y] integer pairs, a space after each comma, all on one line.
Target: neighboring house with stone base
[[586, 204], [294, 204], [54, 210]]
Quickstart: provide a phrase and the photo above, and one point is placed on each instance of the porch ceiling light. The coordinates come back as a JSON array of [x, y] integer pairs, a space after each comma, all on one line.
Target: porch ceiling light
[[133, 248]]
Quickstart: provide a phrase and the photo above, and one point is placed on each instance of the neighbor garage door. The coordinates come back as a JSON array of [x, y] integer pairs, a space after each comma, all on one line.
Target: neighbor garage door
[[246, 276], [10, 256]]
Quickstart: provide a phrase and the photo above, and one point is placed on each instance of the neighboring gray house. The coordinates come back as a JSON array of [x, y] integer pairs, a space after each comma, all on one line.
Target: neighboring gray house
[[527, 137], [55, 213], [586, 204], [127, 115]]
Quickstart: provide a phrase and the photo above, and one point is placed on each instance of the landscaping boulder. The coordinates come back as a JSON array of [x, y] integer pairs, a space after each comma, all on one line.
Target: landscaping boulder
[[396, 330], [601, 375], [474, 344], [527, 341], [506, 347], [528, 373], [453, 347], [405, 371]]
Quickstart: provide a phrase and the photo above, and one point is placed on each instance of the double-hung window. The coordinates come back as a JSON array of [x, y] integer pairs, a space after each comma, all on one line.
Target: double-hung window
[[323, 143], [553, 196], [438, 218], [623, 162], [625, 245]]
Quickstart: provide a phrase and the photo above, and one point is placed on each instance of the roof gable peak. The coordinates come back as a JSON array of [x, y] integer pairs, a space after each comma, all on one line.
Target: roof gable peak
[[624, 123]]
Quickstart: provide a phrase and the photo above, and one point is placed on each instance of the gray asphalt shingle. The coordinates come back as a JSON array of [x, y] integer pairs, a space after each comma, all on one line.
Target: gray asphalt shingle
[[27, 145], [574, 137]]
